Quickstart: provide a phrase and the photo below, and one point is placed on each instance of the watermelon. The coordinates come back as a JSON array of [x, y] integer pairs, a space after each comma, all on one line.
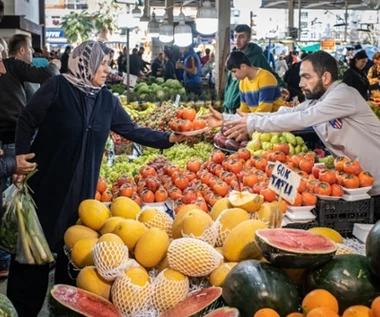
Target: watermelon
[[252, 285], [224, 312], [6, 307], [372, 248], [70, 301], [195, 305], [295, 248], [349, 278]]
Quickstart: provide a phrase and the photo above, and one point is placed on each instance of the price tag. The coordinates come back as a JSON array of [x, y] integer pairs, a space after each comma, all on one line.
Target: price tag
[[132, 80], [177, 100], [284, 182]]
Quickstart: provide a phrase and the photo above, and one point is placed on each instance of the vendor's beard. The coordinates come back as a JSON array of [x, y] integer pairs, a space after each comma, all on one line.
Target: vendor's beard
[[316, 93]]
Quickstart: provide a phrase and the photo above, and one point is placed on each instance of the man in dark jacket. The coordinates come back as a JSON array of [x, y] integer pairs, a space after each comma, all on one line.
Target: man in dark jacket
[[242, 35], [157, 66], [65, 60], [135, 63]]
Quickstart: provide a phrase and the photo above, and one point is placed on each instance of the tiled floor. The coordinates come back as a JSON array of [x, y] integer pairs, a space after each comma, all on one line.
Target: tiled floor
[[44, 312]]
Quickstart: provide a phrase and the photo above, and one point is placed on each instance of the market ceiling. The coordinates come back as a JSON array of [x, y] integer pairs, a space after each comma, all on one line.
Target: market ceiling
[[316, 4]]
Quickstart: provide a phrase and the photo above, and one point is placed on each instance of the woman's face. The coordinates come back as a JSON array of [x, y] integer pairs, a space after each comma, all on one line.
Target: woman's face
[[377, 62], [360, 63], [102, 72]]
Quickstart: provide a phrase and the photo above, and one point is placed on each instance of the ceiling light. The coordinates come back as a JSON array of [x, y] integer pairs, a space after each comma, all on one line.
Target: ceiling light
[[153, 27], [166, 31], [207, 19], [183, 34], [136, 12]]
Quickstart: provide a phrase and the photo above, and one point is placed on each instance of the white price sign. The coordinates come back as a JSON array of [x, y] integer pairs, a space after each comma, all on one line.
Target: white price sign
[[132, 80], [284, 182]]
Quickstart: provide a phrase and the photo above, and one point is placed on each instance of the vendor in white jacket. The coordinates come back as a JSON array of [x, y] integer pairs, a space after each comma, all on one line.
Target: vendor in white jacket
[[338, 113]]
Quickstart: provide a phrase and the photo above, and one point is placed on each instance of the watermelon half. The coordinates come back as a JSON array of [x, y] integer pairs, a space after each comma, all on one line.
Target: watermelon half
[[295, 248], [195, 305], [70, 301], [224, 312]]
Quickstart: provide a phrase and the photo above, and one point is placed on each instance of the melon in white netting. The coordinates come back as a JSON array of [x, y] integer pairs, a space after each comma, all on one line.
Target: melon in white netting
[[131, 292], [154, 218], [169, 288], [110, 258], [193, 257]]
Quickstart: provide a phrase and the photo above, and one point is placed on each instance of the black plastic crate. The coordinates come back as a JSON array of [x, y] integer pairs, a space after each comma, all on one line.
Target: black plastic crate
[[376, 207], [341, 215], [304, 226]]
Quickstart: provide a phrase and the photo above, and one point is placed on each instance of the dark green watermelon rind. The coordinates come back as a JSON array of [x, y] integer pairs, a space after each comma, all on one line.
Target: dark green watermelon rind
[[182, 308], [252, 285], [291, 260], [372, 248], [224, 312], [6, 307], [348, 278], [58, 309]]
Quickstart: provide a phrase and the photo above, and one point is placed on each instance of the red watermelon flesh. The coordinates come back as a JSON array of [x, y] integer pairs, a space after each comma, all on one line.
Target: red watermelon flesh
[[224, 312], [66, 300], [194, 304], [296, 240]]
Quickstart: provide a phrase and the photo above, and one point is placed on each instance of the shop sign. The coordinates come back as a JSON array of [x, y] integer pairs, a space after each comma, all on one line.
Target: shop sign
[[284, 182], [54, 33], [328, 45]]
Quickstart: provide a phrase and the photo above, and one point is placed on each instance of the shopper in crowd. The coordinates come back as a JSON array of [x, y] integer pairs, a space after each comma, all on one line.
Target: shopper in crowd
[[281, 67], [208, 71], [169, 71], [143, 63], [270, 58], [242, 36], [121, 61], [38, 60], [135, 63], [157, 66], [338, 114], [68, 170], [355, 76], [65, 59], [374, 73], [259, 90], [207, 56], [192, 67], [292, 79], [112, 63], [9, 166]]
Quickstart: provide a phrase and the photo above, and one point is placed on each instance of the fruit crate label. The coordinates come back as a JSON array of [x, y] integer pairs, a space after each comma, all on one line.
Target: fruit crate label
[[284, 182]]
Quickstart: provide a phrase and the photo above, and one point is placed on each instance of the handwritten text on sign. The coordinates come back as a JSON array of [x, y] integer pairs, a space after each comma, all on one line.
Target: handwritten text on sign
[[284, 182]]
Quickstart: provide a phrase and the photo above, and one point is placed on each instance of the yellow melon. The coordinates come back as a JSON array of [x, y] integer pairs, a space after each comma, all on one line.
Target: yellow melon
[[111, 238], [218, 276], [240, 244], [131, 291], [328, 233], [271, 214], [219, 206], [151, 248], [219, 250], [93, 213], [130, 231], [89, 280], [228, 220], [110, 225], [125, 207], [343, 249], [76, 233], [81, 254], [169, 288], [246, 200], [154, 218], [178, 220], [193, 257], [196, 222]]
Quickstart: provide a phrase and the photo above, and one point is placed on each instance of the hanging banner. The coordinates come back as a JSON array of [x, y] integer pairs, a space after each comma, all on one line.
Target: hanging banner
[[328, 45]]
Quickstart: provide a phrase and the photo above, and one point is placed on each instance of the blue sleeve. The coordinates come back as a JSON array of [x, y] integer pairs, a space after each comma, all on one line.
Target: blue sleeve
[[268, 94], [123, 125], [34, 114]]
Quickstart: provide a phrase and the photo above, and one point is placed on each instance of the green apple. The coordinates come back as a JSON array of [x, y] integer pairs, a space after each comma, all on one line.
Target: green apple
[[282, 139], [258, 153], [298, 149], [304, 148], [275, 139], [254, 144], [299, 140], [290, 138]]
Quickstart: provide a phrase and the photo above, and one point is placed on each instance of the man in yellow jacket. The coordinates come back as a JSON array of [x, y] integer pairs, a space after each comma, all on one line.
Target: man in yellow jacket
[[259, 90]]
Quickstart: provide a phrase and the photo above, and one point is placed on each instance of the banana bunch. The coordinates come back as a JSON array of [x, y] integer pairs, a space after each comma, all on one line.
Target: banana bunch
[[131, 109], [202, 112]]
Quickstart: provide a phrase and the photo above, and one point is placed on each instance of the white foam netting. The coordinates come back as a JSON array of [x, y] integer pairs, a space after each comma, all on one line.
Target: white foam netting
[[161, 220]]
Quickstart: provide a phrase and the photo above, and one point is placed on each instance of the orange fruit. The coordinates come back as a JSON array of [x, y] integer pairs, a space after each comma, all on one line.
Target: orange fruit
[[322, 312], [319, 298], [295, 315], [375, 307], [266, 312], [357, 311]]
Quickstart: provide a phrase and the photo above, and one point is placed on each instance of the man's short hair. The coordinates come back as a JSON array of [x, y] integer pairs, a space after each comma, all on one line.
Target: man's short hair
[[236, 59], [243, 28], [323, 62], [16, 42], [208, 51]]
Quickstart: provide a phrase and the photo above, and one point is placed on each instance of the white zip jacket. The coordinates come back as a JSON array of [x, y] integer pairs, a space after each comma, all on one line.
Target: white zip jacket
[[341, 118]]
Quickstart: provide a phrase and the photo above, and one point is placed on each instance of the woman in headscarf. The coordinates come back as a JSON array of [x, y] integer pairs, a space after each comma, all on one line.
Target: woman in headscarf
[[73, 114], [355, 76]]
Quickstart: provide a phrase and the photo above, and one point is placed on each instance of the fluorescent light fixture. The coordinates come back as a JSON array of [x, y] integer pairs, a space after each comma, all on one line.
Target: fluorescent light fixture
[[183, 35], [207, 19]]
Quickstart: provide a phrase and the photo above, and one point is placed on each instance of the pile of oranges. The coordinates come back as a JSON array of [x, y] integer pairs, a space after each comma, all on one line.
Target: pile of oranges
[[321, 303], [186, 121]]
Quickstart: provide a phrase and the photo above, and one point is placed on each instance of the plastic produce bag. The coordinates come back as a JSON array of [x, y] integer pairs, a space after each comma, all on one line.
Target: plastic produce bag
[[31, 246], [8, 223]]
